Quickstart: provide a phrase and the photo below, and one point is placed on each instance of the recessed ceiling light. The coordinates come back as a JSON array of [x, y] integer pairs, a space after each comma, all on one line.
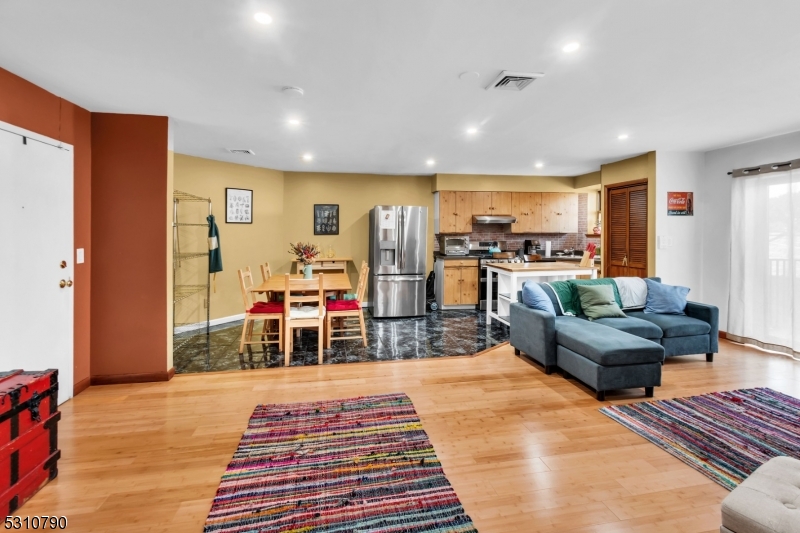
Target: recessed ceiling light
[[539, 165], [472, 131], [263, 18], [307, 157], [622, 137], [293, 122], [571, 47], [469, 75], [430, 162], [292, 91]]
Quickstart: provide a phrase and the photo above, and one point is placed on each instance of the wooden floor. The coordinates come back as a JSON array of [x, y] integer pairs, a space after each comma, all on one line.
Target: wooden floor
[[523, 450]]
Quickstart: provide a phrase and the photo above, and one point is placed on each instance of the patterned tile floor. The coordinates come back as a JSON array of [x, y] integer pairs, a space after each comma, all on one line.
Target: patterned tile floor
[[438, 334]]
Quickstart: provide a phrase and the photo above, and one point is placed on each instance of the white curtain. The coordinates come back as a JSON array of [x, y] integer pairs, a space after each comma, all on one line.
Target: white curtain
[[764, 305]]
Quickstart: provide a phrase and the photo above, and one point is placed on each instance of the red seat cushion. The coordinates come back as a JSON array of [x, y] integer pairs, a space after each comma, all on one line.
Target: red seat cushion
[[343, 305], [266, 308]]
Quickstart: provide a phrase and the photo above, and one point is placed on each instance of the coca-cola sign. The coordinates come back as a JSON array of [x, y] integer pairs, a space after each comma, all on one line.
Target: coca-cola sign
[[680, 204]]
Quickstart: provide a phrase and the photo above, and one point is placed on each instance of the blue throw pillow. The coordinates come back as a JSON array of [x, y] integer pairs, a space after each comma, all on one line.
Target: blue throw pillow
[[665, 299], [534, 297]]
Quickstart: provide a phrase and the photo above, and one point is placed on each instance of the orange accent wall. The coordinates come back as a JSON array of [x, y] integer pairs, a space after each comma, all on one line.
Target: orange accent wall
[[129, 238], [28, 106]]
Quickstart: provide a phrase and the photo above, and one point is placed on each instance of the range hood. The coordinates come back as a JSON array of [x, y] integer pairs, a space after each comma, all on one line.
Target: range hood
[[493, 219]]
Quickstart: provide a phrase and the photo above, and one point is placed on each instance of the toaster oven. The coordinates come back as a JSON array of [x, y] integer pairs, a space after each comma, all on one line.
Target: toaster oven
[[453, 245]]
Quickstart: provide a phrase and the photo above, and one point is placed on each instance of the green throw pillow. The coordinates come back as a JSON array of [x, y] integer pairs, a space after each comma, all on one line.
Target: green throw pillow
[[598, 301], [576, 297]]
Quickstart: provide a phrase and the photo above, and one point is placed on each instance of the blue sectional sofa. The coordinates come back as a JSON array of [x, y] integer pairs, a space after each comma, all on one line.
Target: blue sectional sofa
[[613, 353]]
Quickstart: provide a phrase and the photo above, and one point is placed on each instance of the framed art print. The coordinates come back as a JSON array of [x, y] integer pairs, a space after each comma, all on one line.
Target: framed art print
[[239, 206], [326, 219], [680, 204]]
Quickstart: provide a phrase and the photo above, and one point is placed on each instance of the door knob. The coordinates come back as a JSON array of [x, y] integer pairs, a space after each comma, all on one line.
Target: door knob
[[69, 283], [63, 264], [62, 283]]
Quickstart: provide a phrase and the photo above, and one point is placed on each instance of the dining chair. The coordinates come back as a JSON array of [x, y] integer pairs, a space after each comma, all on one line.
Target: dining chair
[[255, 310], [307, 316], [266, 273], [342, 310]]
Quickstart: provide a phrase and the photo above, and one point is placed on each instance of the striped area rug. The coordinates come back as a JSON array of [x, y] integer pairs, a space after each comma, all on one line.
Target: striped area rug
[[724, 435], [353, 465]]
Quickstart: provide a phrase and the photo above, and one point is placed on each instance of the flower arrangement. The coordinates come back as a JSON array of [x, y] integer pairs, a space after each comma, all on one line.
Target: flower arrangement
[[306, 252]]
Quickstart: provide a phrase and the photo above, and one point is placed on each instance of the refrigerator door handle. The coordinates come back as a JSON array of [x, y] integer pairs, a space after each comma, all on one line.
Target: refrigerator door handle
[[392, 277], [402, 232]]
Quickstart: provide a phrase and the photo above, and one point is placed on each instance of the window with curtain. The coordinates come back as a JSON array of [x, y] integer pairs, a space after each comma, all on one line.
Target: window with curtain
[[764, 303]]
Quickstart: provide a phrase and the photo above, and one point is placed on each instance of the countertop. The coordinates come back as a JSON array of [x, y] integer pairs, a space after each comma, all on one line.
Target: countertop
[[573, 258], [540, 267], [439, 255]]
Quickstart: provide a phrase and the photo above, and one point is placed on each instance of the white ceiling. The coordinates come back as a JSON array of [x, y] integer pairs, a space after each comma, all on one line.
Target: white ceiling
[[381, 77]]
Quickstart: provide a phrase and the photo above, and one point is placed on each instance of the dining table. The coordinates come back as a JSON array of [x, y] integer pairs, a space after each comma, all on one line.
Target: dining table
[[338, 283]]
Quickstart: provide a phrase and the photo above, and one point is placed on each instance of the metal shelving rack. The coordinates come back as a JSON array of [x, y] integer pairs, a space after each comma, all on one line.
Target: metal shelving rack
[[181, 292]]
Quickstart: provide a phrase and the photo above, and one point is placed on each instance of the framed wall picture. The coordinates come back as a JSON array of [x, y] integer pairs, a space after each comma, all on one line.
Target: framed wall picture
[[326, 219], [238, 206], [680, 204]]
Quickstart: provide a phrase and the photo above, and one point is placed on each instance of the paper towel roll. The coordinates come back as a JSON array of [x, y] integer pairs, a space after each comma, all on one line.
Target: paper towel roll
[[547, 248]]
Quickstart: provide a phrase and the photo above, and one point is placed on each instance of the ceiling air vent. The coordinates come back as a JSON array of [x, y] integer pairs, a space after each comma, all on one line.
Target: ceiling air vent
[[241, 151], [513, 81]]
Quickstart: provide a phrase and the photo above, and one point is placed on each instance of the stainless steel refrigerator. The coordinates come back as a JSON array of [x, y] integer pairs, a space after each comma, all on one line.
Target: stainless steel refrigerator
[[398, 248]]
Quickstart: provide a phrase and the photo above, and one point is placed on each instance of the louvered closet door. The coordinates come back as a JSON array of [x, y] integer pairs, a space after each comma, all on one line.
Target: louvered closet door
[[637, 231], [626, 227]]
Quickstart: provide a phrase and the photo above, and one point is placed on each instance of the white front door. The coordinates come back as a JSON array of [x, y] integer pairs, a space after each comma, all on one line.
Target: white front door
[[36, 313]]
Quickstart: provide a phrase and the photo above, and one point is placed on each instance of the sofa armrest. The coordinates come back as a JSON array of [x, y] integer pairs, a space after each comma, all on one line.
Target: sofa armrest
[[708, 314], [534, 333]]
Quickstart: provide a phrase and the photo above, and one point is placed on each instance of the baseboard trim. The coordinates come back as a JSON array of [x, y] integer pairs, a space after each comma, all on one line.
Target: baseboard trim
[[81, 386], [119, 379], [723, 335], [214, 322]]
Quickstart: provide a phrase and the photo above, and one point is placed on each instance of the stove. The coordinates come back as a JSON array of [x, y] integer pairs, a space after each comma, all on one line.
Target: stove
[[485, 258]]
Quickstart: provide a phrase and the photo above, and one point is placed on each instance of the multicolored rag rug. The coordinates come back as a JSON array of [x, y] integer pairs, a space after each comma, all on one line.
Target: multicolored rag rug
[[353, 465], [724, 435]]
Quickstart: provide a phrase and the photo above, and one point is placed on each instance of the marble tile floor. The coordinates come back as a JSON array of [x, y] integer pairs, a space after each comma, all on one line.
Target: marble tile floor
[[438, 334]]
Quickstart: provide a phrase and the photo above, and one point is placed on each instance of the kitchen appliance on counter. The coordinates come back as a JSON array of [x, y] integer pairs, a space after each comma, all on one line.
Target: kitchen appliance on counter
[[397, 253], [449, 245], [531, 247]]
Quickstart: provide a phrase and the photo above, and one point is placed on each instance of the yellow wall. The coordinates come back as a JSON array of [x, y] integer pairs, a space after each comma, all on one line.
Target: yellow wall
[[484, 182], [356, 195], [241, 244], [283, 212], [592, 179], [633, 169]]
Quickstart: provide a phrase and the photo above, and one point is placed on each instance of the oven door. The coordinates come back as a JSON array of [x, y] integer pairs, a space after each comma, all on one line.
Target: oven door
[[482, 290]]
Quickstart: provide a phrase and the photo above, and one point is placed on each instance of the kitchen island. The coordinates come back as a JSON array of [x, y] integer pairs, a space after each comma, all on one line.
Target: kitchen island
[[510, 277]]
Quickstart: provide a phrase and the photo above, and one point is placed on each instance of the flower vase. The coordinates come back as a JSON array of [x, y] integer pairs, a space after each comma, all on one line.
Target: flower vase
[[308, 272]]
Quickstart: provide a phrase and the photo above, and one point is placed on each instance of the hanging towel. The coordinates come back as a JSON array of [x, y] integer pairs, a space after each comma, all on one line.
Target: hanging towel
[[632, 292], [214, 252]]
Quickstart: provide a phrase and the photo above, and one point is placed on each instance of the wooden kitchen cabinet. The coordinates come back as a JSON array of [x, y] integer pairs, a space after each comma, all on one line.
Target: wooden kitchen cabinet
[[491, 203], [460, 282], [455, 212], [559, 212], [527, 208]]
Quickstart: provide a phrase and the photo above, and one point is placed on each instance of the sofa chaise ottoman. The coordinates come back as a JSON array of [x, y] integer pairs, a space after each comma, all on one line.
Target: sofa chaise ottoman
[[607, 359]]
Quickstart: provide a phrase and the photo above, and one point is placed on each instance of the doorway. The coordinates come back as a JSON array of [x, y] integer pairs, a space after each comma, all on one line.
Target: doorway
[[36, 308], [625, 244]]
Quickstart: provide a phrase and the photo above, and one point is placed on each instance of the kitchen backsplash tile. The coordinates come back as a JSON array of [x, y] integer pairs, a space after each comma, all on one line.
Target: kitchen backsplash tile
[[514, 241]]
